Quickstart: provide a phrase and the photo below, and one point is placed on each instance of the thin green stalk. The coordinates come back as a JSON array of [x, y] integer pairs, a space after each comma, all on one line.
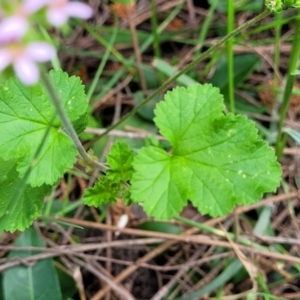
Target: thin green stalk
[[162, 26], [264, 287], [278, 27], [106, 44], [110, 83], [55, 62], [220, 233], [187, 68], [277, 80], [291, 77], [205, 25], [156, 42], [230, 28], [209, 65], [271, 25], [67, 124], [143, 48], [103, 60], [49, 203], [67, 191]]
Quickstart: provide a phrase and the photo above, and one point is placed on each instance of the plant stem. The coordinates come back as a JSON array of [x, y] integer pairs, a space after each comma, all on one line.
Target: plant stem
[[291, 76], [130, 61], [188, 67], [67, 124], [154, 25], [104, 59], [218, 232], [205, 25], [230, 28]]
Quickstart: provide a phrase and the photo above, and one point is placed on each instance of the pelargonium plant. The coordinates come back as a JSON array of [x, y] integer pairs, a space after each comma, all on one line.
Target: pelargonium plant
[[215, 160]]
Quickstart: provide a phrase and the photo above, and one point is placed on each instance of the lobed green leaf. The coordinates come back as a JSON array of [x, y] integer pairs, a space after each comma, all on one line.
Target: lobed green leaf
[[120, 160], [19, 204], [113, 185], [217, 161], [104, 191], [27, 116]]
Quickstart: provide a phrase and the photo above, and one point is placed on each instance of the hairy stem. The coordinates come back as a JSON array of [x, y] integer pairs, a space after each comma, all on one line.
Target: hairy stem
[[67, 124], [291, 77], [230, 28]]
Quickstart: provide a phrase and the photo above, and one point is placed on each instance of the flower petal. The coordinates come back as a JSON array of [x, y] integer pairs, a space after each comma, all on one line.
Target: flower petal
[[26, 70], [79, 10], [32, 6], [5, 59], [40, 51], [57, 17], [12, 29]]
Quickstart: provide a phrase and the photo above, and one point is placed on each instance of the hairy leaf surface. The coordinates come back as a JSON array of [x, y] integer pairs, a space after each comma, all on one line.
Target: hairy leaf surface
[[28, 121], [217, 161], [113, 185], [104, 191], [120, 160], [19, 204]]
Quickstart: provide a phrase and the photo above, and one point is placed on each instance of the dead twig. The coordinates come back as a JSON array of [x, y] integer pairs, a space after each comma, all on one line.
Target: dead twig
[[162, 292]]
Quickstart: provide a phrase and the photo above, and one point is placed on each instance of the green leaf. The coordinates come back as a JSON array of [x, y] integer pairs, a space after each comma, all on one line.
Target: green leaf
[[71, 92], [217, 160], [81, 123], [127, 197], [25, 115], [67, 284], [37, 282], [57, 154], [17, 213], [104, 191], [113, 185], [120, 160]]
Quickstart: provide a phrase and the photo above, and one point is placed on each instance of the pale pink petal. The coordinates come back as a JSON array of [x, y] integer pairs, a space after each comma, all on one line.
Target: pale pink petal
[[26, 70], [32, 6], [79, 10], [57, 16], [12, 29], [5, 59], [40, 51]]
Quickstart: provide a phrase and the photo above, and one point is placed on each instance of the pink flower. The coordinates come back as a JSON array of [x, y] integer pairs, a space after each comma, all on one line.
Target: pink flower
[[24, 59], [12, 29], [60, 11], [32, 6]]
